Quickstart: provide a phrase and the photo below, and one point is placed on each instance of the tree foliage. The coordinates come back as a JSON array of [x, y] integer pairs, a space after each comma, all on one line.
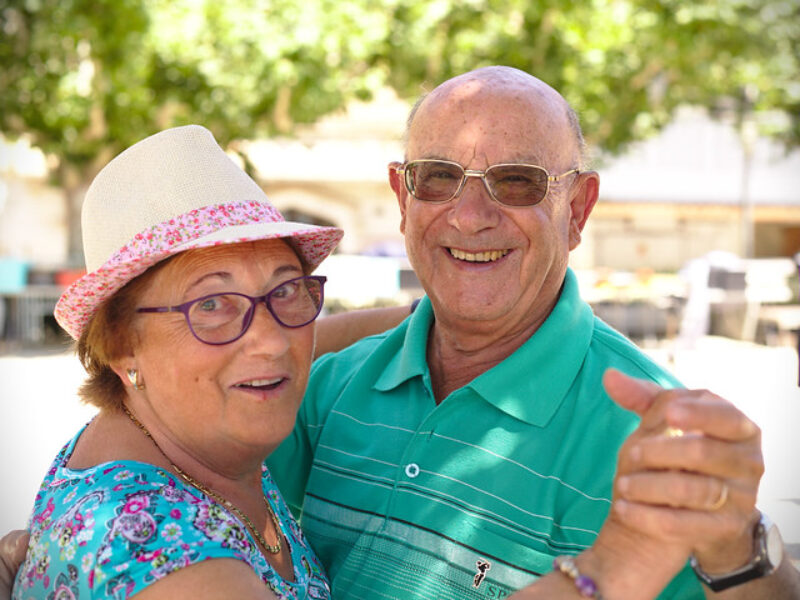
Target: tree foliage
[[84, 79], [625, 65]]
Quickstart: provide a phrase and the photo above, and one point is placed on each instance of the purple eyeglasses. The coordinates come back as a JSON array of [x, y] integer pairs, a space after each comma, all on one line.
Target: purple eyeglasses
[[219, 319]]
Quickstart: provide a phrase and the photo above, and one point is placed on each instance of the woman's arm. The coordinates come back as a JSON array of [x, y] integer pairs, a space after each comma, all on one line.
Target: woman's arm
[[342, 329], [215, 579]]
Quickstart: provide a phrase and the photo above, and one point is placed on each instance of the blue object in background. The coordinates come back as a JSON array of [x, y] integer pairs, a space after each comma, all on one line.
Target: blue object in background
[[13, 275]]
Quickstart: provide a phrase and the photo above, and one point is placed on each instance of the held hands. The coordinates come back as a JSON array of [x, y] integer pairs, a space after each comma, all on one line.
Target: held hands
[[12, 552], [689, 475], [686, 483]]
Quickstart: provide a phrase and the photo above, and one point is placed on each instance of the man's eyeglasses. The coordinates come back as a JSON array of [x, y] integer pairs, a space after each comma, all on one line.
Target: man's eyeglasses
[[219, 319], [512, 184]]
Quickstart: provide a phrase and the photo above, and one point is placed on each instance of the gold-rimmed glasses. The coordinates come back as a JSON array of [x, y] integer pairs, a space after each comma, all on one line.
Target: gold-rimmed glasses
[[510, 184]]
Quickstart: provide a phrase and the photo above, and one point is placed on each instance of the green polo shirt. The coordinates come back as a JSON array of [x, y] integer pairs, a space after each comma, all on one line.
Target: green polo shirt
[[472, 498]]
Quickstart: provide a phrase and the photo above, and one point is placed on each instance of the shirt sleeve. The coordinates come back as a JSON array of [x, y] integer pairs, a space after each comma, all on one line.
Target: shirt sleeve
[[156, 532]]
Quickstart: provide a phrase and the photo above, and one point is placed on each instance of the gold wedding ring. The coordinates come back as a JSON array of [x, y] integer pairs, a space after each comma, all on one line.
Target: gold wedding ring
[[723, 498], [673, 432]]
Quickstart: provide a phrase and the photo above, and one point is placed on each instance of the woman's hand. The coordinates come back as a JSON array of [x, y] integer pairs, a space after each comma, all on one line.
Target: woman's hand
[[13, 546]]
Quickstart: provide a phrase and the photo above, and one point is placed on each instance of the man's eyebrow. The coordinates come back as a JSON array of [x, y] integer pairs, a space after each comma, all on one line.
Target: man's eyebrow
[[523, 159], [528, 159]]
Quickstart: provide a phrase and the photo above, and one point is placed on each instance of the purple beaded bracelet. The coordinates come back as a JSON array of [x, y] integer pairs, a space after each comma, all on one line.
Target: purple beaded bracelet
[[585, 584]]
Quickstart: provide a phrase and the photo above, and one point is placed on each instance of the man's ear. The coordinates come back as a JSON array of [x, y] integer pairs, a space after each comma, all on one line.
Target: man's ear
[[399, 189], [581, 205]]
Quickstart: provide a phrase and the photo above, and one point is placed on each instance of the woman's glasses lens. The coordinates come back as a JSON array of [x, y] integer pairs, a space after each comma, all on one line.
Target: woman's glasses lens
[[217, 318], [296, 302]]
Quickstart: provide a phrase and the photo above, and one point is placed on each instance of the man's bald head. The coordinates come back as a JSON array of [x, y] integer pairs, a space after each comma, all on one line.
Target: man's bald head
[[509, 81]]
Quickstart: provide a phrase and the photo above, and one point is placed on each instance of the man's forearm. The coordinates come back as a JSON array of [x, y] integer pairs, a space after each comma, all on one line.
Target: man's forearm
[[338, 331]]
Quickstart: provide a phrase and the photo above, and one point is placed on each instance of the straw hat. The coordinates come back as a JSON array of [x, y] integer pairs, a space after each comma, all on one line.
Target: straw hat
[[173, 191]]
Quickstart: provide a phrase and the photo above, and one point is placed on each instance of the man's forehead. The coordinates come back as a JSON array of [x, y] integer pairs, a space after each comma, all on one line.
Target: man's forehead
[[466, 121], [468, 158]]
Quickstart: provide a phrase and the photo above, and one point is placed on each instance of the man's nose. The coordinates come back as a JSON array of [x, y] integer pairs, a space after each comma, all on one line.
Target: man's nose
[[473, 207]]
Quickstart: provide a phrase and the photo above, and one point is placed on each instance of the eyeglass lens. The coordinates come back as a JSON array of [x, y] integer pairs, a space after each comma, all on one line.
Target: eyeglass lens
[[514, 185], [222, 318]]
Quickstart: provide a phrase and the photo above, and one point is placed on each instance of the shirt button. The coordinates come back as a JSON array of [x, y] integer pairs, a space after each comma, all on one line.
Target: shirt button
[[412, 470]]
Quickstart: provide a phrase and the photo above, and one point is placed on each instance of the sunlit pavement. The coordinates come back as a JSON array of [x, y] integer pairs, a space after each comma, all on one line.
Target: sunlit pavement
[[39, 412]]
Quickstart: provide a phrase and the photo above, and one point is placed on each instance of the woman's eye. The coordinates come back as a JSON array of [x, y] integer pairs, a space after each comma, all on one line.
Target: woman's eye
[[286, 290], [209, 304]]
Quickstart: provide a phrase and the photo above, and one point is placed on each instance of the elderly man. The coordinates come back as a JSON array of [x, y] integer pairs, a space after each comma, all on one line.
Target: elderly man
[[459, 454]]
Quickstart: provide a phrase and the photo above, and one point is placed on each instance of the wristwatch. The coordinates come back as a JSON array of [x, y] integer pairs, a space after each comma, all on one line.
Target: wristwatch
[[767, 556]]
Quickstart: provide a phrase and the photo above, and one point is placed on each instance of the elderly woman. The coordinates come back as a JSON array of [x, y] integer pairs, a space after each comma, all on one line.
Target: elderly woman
[[195, 325]]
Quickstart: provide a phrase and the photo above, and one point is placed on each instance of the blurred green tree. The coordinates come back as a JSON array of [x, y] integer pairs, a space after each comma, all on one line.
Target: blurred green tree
[[84, 79]]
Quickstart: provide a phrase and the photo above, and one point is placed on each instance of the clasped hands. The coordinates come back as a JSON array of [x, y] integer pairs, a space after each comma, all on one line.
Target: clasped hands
[[686, 482]]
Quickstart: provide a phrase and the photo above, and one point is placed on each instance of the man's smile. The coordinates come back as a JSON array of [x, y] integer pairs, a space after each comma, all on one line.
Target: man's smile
[[485, 256]]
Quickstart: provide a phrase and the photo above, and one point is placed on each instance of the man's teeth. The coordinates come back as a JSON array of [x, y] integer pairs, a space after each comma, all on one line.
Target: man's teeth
[[489, 256], [261, 382]]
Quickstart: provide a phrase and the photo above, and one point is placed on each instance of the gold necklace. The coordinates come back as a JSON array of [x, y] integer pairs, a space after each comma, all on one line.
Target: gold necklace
[[209, 492]]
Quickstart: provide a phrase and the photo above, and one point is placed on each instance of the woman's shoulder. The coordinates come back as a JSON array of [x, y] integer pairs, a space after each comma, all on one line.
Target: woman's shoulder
[[122, 526]]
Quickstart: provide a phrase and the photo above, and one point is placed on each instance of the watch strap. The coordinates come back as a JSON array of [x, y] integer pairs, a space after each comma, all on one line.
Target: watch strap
[[718, 583], [759, 565]]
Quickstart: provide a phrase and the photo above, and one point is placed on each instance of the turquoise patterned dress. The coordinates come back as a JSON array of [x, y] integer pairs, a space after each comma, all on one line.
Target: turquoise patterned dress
[[111, 530]]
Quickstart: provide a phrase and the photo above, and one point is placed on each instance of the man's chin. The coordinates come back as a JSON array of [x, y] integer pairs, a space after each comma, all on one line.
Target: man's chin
[[469, 307]]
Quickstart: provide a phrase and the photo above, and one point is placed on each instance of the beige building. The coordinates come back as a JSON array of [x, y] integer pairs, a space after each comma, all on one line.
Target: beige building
[[692, 190]]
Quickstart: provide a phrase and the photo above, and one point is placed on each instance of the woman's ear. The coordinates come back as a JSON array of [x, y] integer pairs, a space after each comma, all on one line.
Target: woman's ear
[[128, 372]]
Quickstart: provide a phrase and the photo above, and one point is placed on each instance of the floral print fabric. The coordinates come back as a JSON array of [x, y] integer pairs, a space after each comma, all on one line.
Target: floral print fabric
[[111, 530]]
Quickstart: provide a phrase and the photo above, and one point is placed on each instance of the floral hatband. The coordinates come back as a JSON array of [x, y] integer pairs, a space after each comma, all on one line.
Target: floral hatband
[[199, 228]]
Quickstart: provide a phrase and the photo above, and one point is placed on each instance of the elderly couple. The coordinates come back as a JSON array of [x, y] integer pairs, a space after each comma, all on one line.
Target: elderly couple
[[500, 442]]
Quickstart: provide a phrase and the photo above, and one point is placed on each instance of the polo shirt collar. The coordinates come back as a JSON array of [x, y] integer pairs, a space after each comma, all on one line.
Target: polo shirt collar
[[541, 372], [411, 359], [549, 360]]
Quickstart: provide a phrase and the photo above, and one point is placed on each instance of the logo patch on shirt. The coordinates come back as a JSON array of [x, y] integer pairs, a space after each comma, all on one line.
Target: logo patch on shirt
[[483, 566]]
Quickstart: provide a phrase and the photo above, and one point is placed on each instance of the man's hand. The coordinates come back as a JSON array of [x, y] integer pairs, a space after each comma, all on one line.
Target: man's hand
[[690, 473], [12, 552]]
